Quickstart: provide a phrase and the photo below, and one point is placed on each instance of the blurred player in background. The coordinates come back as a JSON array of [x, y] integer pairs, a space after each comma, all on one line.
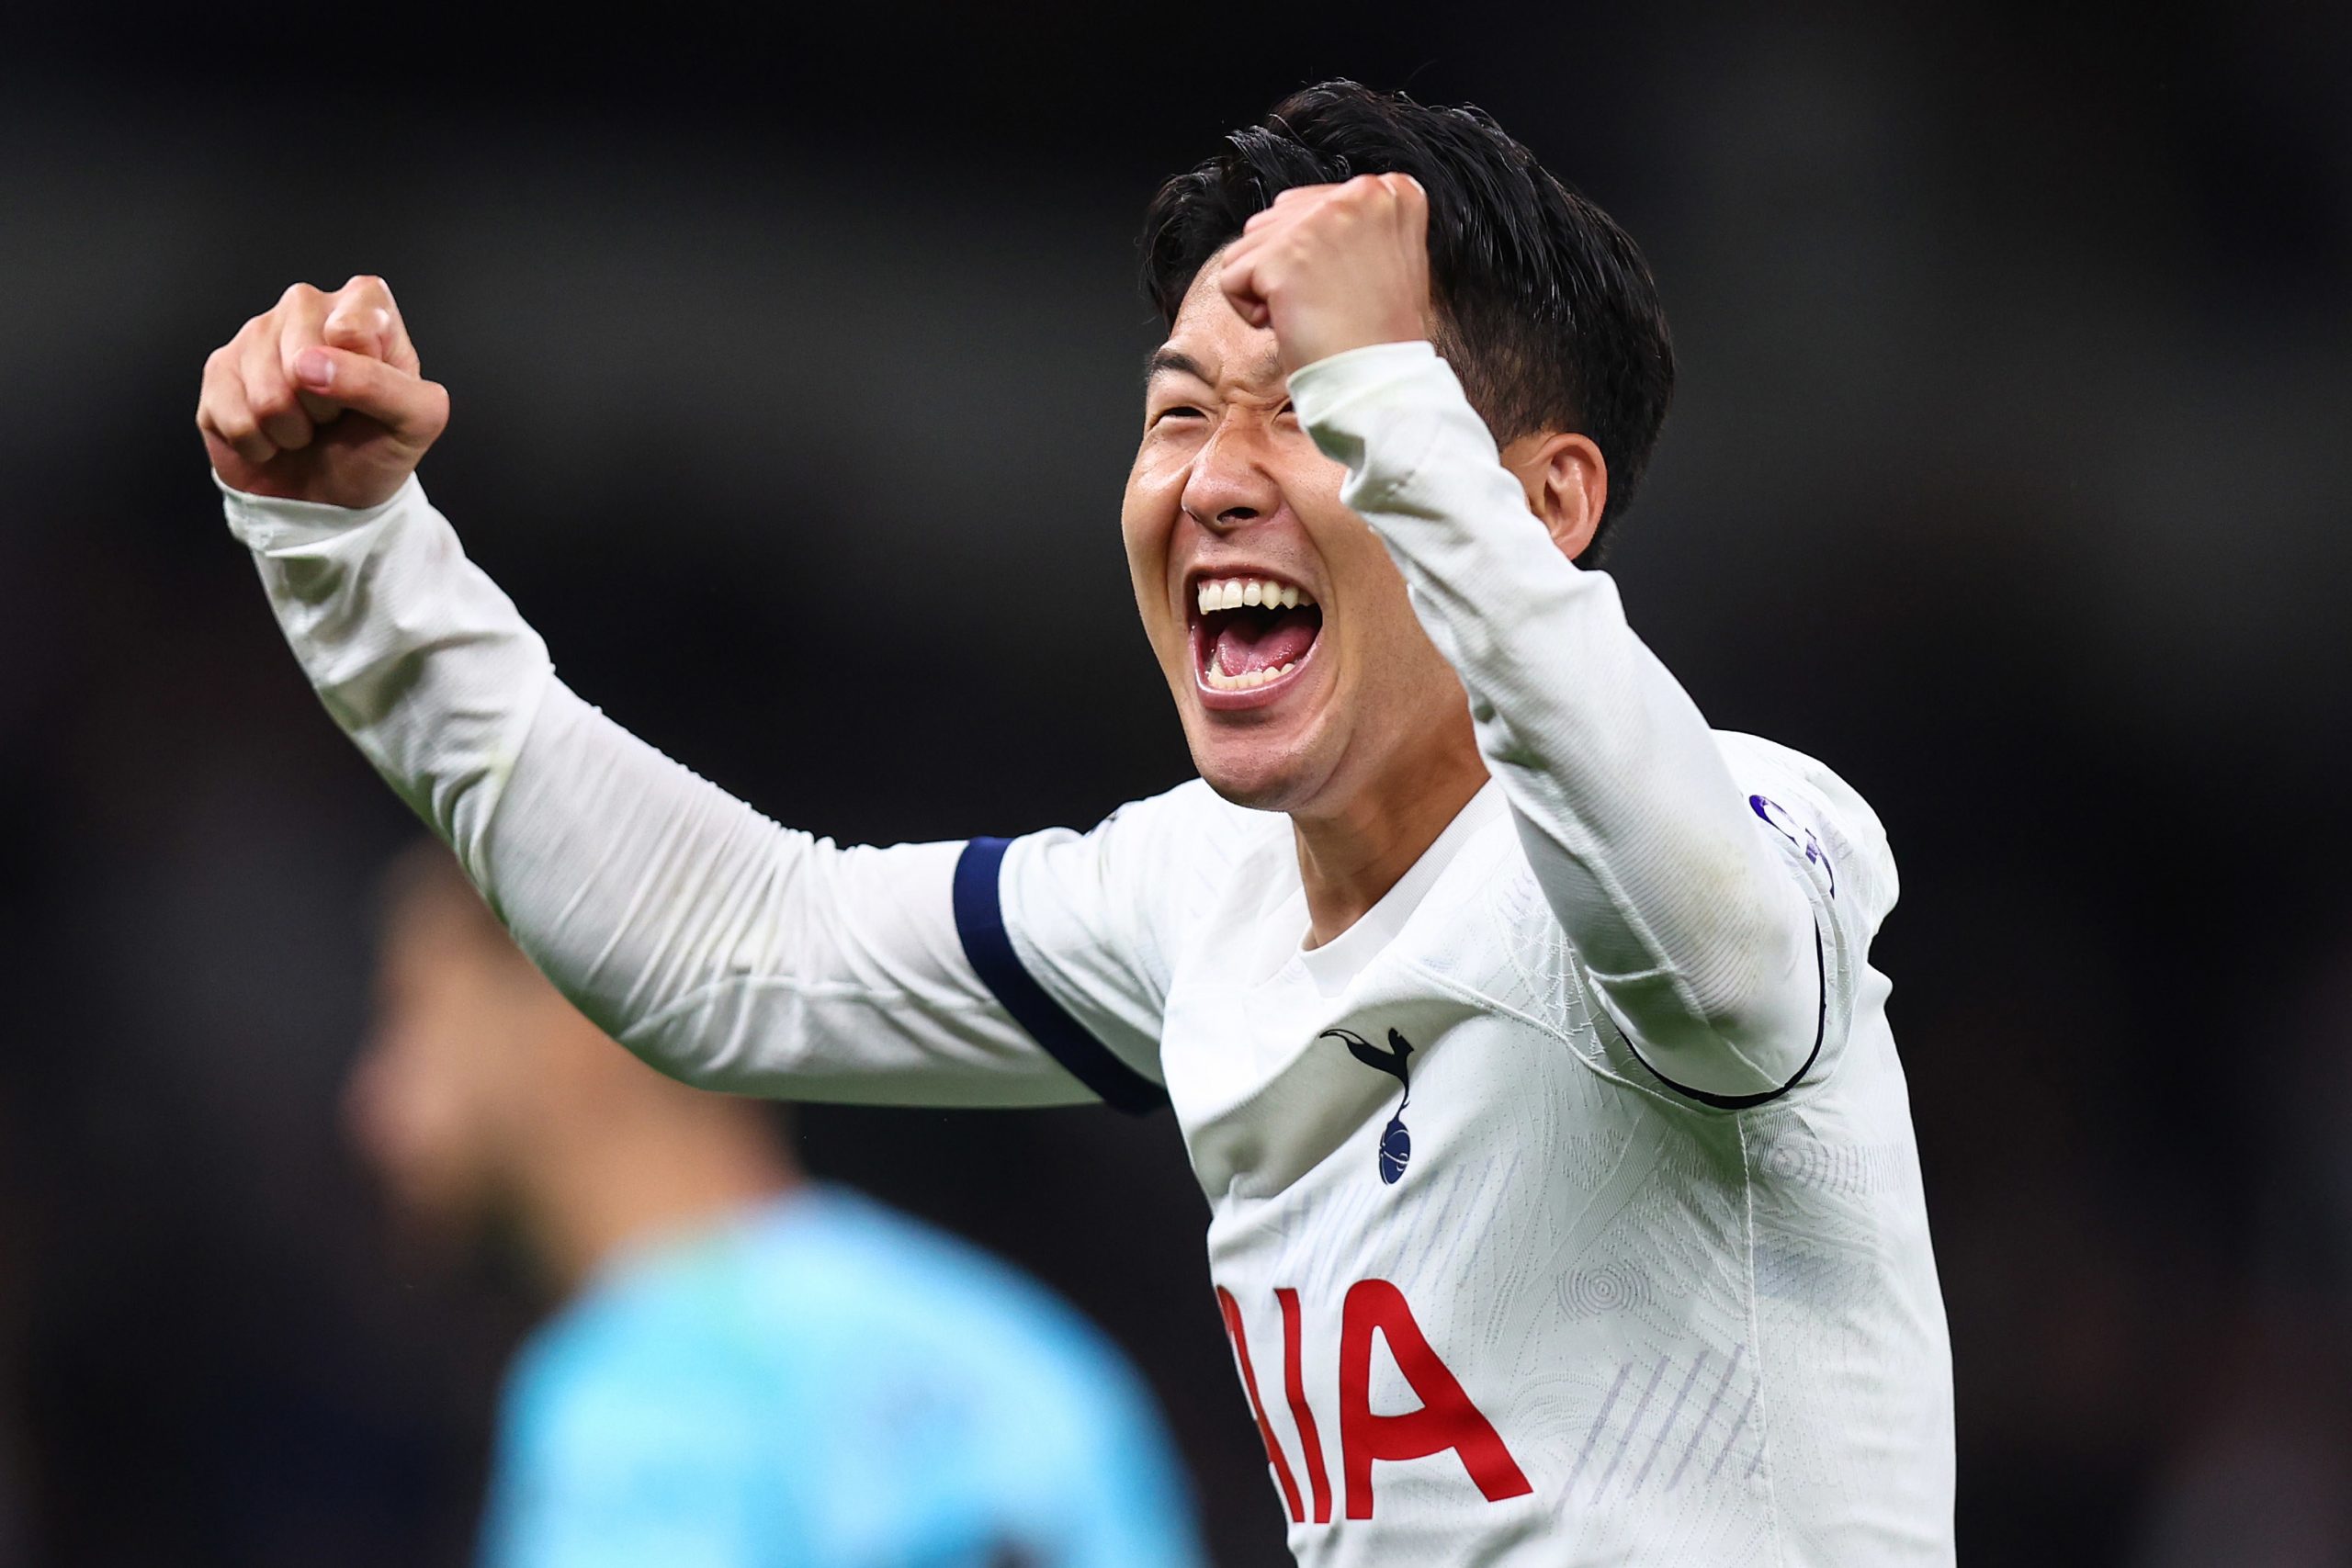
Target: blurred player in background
[[1521, 1028], [750, 1369]]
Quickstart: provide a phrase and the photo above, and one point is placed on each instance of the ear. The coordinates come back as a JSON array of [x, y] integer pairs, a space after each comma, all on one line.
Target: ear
[[1566, 484]]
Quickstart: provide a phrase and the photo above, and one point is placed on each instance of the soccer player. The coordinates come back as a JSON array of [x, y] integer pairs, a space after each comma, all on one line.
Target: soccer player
[[1521, 1028], [750, 1368]]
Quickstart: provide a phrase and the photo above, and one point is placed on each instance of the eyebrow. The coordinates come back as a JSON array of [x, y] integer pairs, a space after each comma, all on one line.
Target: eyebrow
[[1164, 360], [1172, 361]]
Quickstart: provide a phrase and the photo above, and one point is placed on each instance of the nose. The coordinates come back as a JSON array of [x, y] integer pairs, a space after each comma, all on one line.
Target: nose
[[1230, 484]]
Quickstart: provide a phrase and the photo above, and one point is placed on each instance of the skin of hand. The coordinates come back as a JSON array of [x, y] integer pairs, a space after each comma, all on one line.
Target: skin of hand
[[321, 399], [1334, 267]]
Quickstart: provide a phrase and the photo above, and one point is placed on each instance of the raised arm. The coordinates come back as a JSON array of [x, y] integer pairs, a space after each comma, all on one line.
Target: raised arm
[[1695, 926], [1692, 921], [723, 948]]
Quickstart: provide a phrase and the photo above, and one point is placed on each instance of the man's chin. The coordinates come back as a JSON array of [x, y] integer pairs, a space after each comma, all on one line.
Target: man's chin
[[1258, 772]]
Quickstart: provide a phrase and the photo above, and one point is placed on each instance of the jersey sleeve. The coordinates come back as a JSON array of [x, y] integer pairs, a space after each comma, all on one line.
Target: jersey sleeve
[[1076, 933], [725, 949], [1830, 844], [1701, 941]]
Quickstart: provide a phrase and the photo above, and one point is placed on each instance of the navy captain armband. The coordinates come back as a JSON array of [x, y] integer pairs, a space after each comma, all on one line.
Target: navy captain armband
[[980, 921]]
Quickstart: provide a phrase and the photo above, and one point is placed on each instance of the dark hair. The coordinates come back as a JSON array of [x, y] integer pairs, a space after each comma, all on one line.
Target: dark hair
[[1545, 307]]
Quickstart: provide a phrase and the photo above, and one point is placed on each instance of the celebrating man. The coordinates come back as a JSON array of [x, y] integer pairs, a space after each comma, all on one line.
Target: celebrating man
[[1521, 1028]]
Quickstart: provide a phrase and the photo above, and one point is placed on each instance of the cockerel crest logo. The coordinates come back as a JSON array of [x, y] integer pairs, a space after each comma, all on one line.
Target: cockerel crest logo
[[1395, 1143]]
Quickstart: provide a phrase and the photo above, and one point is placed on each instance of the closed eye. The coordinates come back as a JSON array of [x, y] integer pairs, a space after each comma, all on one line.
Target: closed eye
[[1181, 411]]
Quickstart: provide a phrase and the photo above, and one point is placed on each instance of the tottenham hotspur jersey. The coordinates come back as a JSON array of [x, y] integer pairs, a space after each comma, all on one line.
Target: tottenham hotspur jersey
[[1564, 1208]]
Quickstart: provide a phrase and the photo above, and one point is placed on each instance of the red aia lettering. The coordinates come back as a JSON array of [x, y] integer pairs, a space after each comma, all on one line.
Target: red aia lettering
[[1446, 1420], [1234, 1331], [1295, 1386]]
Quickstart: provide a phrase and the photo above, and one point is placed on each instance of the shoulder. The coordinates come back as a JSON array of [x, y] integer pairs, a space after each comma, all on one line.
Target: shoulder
[[1151, 865], [1820, 815], [888, 1313], [1189, 822], [626, 1332], [818, 1365], [830, 1257], [642, 1383], [1753, 756], [917, 1352], [812, 1291]]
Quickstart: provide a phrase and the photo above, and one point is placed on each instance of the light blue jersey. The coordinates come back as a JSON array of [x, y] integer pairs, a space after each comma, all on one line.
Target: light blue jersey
[[825, 1383]]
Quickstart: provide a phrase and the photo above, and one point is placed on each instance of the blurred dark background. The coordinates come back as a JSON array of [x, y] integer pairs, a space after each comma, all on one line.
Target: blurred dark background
[[795, 363]]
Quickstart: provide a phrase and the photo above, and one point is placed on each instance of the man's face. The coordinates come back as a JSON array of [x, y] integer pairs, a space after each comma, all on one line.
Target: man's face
[[432, 1100], [1300, 704]]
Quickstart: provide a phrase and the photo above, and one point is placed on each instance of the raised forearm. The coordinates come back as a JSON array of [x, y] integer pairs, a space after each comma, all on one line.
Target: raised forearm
[[1700, 941], [723, 948], [418, 656]]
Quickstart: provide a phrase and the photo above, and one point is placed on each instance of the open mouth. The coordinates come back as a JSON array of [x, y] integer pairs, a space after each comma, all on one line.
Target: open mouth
[[1250, 633]]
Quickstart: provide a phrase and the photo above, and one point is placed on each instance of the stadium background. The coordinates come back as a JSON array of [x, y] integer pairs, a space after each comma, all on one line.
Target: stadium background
[[795, 366]]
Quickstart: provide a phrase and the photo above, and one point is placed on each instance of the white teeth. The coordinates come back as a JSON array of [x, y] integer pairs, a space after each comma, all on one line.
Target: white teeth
[[1234, 592], [1219, 681]]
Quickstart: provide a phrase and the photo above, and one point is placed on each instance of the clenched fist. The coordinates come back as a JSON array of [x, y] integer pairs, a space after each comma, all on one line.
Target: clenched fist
[[1335, 268], [319, 399]]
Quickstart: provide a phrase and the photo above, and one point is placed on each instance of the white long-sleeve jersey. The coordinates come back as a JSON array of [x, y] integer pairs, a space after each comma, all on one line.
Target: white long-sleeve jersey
[[1566, 1207]]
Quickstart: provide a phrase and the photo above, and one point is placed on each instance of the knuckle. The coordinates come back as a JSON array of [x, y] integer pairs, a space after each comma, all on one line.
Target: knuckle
[[296, 293]]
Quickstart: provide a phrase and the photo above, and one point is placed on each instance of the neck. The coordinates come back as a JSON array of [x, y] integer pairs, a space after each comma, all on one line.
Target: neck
[[1348, 860], [664, 1174]]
